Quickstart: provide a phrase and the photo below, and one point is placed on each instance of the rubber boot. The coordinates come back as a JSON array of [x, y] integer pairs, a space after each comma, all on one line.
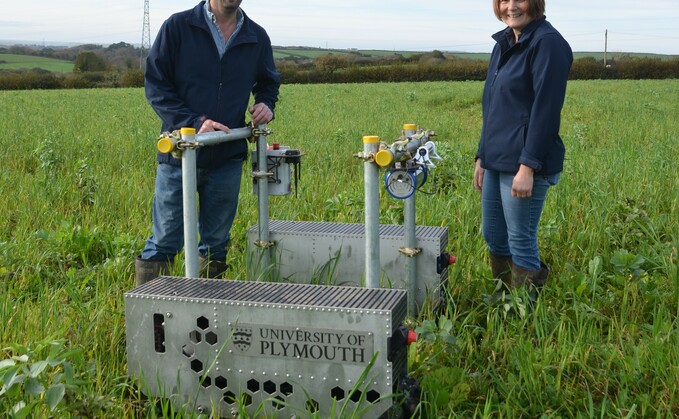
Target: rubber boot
[[540, 279], [532, 279], [212, 268], [501, 268], [147, 270]]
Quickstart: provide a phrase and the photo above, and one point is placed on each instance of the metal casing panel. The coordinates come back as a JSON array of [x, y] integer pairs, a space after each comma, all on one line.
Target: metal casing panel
[[334, 253], [285, 348]]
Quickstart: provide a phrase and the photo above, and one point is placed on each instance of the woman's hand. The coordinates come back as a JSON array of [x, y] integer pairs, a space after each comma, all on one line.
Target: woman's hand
[[478, 175], [522, 187]]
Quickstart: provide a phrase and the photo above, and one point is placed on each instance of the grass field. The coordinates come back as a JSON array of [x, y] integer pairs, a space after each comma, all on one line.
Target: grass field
[[26, 62], [602, 341]]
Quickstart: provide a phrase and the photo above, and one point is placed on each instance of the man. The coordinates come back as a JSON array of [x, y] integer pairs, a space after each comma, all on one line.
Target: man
[[201, 70]]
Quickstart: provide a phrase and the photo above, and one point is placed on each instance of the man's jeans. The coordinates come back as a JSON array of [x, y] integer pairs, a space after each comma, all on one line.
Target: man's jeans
[[510, 224], [218, 190]]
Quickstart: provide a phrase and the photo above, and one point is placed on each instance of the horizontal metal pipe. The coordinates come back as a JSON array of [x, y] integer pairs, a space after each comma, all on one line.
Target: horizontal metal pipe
[[217, 137]]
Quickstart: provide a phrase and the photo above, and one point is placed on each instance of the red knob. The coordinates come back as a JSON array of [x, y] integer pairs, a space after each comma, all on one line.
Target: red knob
[[412, 337], [452, 260]]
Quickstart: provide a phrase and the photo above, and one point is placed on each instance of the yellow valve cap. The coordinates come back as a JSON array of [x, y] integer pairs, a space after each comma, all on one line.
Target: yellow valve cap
[[187, 131], [371, 139], [165, 145], [384, 158], [410, 127]]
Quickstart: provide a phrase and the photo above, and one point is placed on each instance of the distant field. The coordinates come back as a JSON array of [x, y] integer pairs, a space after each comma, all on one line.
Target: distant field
[[17, 62], [302, 52]]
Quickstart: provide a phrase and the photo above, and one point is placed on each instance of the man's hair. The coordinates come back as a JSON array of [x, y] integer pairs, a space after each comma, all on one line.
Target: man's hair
[[536, 8]]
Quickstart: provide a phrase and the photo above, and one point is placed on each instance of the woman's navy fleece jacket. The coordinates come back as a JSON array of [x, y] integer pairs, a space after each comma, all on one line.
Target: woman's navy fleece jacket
[[522, 100]]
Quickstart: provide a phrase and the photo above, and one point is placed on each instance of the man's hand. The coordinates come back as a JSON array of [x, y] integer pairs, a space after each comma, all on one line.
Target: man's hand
[[261, 114], [209, 126]]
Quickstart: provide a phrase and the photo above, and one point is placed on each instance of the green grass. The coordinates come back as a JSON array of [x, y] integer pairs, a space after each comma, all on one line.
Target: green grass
[[603, 340], [19, 62]]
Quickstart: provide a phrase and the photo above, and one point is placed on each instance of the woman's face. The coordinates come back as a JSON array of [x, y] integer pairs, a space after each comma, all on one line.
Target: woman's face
[[514, 13]]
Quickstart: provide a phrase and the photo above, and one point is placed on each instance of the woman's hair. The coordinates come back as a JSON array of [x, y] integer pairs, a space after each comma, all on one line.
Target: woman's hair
[[536, 8]]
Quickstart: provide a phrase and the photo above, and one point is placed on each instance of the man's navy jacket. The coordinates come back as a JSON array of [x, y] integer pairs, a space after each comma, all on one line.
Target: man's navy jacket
[[186, 81]]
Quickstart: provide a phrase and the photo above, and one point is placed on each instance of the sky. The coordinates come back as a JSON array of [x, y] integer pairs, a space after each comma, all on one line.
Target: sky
[[650, 26]]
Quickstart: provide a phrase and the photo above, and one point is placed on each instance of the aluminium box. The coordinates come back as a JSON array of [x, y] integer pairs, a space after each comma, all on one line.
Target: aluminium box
[[287, 349], [334, 254]]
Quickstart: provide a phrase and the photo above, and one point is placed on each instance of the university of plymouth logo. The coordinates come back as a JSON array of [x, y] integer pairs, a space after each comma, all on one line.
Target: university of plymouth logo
[[242, 338]]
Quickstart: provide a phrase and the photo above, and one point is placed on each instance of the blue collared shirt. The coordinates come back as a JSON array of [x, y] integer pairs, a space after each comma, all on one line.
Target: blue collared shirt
[[217, 35]]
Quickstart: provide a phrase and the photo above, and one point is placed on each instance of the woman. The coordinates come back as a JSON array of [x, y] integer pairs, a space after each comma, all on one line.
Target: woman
[[520, 153]]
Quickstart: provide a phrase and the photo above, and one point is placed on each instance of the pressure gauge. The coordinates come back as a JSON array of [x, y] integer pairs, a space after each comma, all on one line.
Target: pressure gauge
[[401, 183]]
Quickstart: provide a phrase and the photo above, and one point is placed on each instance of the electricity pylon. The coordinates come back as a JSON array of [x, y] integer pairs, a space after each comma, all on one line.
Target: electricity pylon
[[145, 35]]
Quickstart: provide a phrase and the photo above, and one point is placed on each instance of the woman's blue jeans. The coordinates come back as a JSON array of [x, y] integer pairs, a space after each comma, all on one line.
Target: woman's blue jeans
[[218, 190], [510, 224]]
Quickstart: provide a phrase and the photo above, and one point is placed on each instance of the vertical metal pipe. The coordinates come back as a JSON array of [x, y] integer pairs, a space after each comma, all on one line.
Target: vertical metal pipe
[[409, 221], [263, 204], [189, 186], [411, 260], [372, 213]]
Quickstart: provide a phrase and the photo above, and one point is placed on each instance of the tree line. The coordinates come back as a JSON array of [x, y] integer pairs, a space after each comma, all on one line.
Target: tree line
[[120, 65]]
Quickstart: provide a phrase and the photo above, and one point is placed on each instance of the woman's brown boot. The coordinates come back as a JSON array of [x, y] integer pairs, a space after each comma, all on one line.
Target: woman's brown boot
[[532, 279], [501, 267]]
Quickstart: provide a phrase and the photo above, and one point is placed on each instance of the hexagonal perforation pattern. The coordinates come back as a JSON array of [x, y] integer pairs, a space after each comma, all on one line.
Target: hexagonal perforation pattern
[[202, 322], [220, 382], [197, 366], [286, 388], [270, 387], [276, 392], [253, 385]]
